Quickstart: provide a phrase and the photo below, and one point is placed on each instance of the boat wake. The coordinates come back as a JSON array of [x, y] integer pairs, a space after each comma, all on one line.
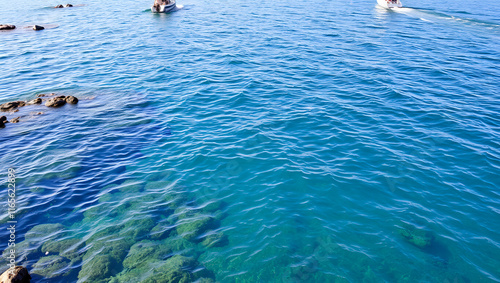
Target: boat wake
[[433, 16]]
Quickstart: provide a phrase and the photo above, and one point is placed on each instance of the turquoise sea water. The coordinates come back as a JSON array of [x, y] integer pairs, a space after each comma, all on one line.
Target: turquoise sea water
[[243, 141]]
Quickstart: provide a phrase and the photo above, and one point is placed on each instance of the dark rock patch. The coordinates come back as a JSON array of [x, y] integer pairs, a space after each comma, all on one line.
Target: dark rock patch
[[68, 5], [71, 99], [37, 27], [59, 6], [56, 101], [37, 100], [9, 106], [7, 27]]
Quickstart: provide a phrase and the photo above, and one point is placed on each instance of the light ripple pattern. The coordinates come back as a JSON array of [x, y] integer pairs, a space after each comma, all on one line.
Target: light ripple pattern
[[272, 141]]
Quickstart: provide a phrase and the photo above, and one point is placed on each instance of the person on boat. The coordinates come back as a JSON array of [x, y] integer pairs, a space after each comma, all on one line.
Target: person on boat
[[158, 3]]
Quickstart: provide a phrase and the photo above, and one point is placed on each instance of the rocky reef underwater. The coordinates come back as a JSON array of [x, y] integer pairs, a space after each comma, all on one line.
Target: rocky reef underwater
[[126, 242]]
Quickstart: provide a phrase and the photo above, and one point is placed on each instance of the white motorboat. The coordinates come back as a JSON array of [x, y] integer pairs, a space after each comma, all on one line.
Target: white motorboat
[[165, 6], [390, 3]]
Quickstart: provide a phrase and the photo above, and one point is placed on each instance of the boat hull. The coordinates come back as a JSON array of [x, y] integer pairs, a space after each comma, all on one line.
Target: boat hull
[[164, 8], [389, 4]]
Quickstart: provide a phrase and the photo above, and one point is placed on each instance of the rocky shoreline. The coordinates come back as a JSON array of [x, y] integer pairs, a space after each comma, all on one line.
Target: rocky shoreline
[[50, 100]]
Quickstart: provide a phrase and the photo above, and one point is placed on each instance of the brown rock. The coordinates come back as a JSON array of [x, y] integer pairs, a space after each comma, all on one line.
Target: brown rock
[[56, 101], [7, 27], [59, 6], [71, 99], [17, 274], [41, 95], [36, 27], [37, 100], [68, 5], [15, 120], [9, 106]]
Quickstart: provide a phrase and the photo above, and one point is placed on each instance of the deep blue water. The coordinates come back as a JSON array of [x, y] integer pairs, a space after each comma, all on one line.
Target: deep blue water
[[324, 141]]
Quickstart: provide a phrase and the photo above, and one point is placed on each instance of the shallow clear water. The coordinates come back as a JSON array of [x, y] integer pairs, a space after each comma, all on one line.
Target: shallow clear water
[[328, 142]]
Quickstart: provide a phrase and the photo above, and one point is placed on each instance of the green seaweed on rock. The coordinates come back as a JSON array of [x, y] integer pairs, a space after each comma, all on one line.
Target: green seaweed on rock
[[52, 266], [144, 251], [69, 248], [417, 237], [193, 227]]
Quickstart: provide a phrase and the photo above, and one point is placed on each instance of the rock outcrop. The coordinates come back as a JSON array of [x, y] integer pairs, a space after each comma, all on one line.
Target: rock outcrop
[[59, 6], [10, 106], [56, 101], [3, 120], [71, 99], [37, 27], [7, 27], [37, 100], [68, 5], [17, 275]]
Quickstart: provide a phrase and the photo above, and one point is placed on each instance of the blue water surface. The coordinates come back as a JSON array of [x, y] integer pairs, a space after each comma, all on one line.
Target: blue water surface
[[254, 141]]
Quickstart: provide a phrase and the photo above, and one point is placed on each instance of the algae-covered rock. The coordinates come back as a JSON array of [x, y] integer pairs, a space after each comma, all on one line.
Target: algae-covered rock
[[181, 246], [106, 234], [51, 266], [146, 250], [116, 249], [45, 230], [416, 237], [215, 240], [192, 228], [137, 229], [178, 262], [68, 248], [98, 269], [174, 276], [162, 230]]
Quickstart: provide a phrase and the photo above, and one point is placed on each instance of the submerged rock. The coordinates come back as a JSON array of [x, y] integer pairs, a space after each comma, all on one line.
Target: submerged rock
[[37, 27], [416, 237], [137, 229], [181, 246], [192, 228], [162, 230], [173, 276], [18, 275], [15, 120], [56, 101], [68, 248], [99, 268], [71, 99], [176, 269], [103, 260], [7, 27], [142, 252], [215, 240], [51, 266]]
